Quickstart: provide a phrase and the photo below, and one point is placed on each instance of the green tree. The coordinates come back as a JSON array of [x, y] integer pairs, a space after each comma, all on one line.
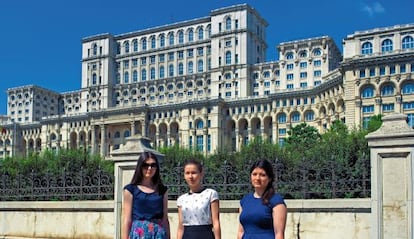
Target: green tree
[[374, 123]]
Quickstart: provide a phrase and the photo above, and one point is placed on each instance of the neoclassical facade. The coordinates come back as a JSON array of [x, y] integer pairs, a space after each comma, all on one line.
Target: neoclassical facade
[[204, 84]]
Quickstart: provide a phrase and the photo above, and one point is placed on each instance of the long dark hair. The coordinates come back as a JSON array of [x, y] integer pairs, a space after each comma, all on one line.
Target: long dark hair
[[156, 179], [268, 168]]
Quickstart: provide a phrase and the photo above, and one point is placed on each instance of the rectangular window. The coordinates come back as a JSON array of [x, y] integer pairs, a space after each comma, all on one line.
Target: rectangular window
[[303, 85], [372, 72], [402, 69], [161, 58], [289, 76], [289, 86], [180, 55], [388, 107], [170, 56], [303, 75], [368, 108], [362, 73], [303, 65], [317, 73], [282, 131], [190, 53], [200, 145], [382, 70], [317, 63], [392, 70]]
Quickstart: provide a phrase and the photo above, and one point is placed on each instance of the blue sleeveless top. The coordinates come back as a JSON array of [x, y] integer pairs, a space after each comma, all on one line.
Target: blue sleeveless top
[[145, 206], [256, 217]]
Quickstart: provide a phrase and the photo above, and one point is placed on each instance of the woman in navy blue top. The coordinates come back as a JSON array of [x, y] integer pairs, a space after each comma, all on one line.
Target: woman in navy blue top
[[262, 213], [145, 202]]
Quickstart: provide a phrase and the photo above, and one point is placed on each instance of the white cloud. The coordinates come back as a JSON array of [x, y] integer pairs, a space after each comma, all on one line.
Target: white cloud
[[373, 8]]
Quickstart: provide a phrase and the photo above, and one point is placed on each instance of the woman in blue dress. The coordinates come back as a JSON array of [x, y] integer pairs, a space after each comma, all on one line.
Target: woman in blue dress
[[145, 202], [263, 212]]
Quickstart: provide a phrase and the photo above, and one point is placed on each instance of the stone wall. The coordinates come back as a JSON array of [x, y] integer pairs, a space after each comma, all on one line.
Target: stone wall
[[310, 219]]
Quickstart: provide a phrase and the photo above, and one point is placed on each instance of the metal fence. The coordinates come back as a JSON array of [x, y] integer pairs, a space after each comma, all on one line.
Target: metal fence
[[82, 185], [308, 179]]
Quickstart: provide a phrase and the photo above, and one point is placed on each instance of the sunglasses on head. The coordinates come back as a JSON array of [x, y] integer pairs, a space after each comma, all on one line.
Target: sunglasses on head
[[147, 165]]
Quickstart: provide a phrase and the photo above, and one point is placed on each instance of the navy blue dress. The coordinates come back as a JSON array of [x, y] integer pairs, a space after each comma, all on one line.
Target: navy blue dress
[[256, 218], [147, 213]]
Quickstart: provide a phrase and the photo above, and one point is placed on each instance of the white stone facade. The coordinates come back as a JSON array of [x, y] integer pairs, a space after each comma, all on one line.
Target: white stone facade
[[204, 84]]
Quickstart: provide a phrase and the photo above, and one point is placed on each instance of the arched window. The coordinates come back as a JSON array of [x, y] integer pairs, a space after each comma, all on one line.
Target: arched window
[[228, 23], [408, 42], [289, 56], [303, 54], [153, 42], [95, 49], [200, 33], [152, 73], [317, 52], [200, 66], [162, 40], [135, 76], [386, 45], [127, 134], [126, 46], [171, 39], [126, 77], [180, 69], [200, 124], [144, 44], [135, 45], [387, 90], [228, 58], [408, 89], [180, 37], [295, 117], [143, 75], [161, 88], [94, 79], [117, 135], [171, 70], [162, 72], [366, 48], [367, 92], [190, 35], [190, 67], [309, 116], [281, 118]]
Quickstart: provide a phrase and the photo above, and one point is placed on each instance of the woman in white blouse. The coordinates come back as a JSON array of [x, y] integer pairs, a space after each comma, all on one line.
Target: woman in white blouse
[[198, 210]]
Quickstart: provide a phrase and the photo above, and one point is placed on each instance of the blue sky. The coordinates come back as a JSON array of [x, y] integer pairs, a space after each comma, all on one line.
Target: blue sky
[[40, 41]]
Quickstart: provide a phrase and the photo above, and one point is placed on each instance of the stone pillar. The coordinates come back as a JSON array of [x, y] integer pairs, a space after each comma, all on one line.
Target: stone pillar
[[103, 140], [392, 178]]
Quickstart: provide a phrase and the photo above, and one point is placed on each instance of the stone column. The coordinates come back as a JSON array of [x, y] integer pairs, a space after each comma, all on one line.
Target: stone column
[[392, 178], [103, 140]]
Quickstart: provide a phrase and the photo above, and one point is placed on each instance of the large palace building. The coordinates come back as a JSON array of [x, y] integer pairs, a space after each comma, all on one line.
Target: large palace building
[[204, 84]]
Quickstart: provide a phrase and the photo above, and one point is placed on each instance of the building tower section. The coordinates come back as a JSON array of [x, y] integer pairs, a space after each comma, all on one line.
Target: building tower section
[[378, 71]]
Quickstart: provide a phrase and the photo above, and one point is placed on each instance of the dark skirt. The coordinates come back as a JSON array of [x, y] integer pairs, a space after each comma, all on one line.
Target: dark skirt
[[147, 229], [198, 232]]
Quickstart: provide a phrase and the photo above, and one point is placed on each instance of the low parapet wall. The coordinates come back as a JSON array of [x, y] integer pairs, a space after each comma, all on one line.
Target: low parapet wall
[[310, 219]]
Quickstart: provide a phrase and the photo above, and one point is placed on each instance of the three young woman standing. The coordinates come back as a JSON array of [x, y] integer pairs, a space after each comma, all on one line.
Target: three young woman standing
[[145, 205]]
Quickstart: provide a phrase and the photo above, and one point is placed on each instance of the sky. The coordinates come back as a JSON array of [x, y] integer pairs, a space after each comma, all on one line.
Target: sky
[[40, 40]]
